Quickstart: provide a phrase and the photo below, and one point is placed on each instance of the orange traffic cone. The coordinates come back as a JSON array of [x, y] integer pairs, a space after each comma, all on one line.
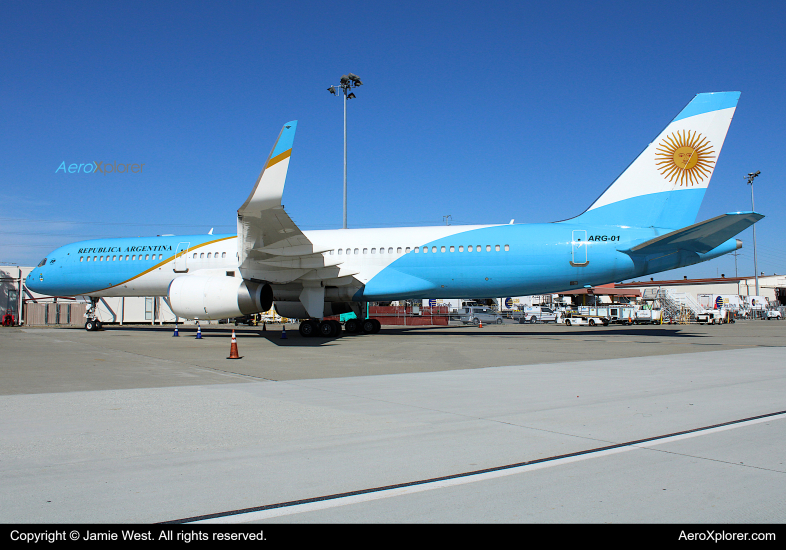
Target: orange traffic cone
[[480, 324], [233, 348]]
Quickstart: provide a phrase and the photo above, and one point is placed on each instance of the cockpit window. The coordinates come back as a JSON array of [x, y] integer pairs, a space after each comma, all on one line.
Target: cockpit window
[[43, 262]]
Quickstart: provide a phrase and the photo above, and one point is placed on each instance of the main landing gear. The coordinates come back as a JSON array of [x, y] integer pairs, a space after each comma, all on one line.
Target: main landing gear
[[331, 329], [92, 320]]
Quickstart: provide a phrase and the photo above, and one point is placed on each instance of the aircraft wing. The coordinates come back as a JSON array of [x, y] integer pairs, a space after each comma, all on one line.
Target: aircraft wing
[[700, 237], [271, 247]]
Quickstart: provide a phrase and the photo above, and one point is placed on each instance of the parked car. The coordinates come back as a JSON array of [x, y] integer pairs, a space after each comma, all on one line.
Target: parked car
[[774, 314], [474, 315]]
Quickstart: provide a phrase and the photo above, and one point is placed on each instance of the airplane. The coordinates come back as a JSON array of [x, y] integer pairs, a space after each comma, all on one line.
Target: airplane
[[643, 223]]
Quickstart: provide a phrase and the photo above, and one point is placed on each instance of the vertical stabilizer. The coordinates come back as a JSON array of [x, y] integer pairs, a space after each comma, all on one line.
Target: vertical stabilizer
[[666, 183]]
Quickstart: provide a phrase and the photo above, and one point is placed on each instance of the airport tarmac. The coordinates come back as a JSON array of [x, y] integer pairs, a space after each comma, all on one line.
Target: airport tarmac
[[518, 423]]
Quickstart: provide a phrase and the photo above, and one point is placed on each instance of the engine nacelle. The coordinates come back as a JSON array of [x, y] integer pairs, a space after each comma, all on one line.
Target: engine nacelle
[[217, 297]]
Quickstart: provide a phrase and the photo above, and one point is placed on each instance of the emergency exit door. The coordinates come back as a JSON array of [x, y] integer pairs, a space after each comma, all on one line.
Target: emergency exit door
[[181, 258]]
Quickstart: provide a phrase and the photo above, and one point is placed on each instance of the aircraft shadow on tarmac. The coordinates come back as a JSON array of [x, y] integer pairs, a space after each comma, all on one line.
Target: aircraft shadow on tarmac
[[293, 337]]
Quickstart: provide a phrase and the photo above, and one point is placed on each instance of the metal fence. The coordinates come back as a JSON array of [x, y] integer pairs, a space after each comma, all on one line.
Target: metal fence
[[68, 314]]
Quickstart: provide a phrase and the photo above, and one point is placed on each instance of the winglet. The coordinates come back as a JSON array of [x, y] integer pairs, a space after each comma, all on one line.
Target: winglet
[[270, 184]]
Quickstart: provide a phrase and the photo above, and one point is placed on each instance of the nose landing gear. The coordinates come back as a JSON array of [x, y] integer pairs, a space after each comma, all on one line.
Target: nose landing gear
[[92, 320]]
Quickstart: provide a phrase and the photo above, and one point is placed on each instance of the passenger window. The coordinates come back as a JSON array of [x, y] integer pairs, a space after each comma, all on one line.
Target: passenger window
[[223, 254], [496, 248], [340, 251], [81, 258], [478, 248], [452, 248], [434, 249], [365, 251], [425, 249], [442, 249], [330, 252], [147, 256], [357, 251], [390, 250], [208, 255], [349, 250], [194, 256], [407, 250], [373, 250], [461, 248], [398, 250], [113, 258], [417, 250], [469, 248], [133, 257], [507, 247], [201, 255], [161, 256], [381, 250], [100, 258]]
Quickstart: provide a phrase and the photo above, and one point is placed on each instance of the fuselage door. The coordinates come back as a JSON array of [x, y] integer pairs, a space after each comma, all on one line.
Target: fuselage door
[[578, 245], [181, 258]]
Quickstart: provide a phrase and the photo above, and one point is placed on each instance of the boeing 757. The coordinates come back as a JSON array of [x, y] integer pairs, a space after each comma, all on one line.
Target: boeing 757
[[643, 223]]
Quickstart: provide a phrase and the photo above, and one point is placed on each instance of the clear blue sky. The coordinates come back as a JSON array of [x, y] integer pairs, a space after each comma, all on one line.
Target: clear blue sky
[[482, 111]]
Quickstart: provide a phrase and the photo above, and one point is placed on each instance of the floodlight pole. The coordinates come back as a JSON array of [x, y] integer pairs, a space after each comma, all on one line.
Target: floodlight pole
[[345, 160], [750, 177], [347, 81]]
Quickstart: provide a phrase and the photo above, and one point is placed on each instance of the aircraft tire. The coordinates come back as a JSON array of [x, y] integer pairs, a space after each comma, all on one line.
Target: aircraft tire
[[338, 328], [327, 329], [352, 326], [307, 328], [90, 325], [369, 326], [377, 326]]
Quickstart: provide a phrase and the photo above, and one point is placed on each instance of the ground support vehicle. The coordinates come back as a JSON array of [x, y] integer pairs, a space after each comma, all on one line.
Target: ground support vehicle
[[774, 314], [574, 319], [539, 315], [714, 317], [648, 317]]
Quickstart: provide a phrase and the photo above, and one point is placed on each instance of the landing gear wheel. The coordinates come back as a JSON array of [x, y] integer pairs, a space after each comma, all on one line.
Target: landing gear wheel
[[308, 328], [368, 326], [338, 328], [352, 326], [327, 329], [90, 325], [377, 326]]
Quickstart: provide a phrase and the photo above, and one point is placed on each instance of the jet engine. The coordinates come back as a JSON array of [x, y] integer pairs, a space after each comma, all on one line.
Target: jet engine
[[217, 297]]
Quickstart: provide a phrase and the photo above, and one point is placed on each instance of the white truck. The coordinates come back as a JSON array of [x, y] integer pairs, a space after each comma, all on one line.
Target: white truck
[[648, 317], [713, 316], [538, 314]]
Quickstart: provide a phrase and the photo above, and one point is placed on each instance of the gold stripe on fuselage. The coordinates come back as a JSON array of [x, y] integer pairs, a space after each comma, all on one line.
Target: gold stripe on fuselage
[[161, 263]]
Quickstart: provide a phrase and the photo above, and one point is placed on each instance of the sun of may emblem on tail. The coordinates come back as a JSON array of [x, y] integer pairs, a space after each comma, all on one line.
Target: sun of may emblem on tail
[[685, 157]]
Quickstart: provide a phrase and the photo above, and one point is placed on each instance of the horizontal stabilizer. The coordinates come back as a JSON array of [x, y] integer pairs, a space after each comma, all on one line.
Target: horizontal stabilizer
[[700, 237]]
